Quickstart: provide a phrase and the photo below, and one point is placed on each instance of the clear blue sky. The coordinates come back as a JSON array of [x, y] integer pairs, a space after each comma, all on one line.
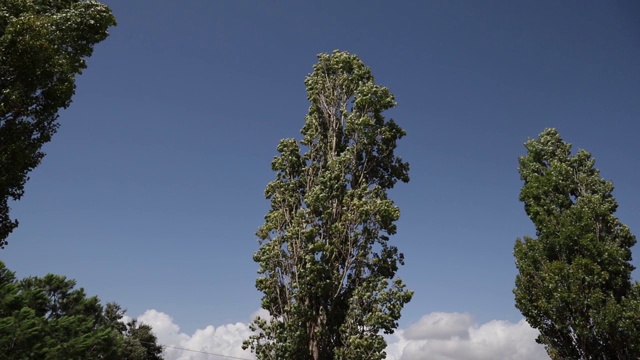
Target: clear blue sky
[[152, 190]]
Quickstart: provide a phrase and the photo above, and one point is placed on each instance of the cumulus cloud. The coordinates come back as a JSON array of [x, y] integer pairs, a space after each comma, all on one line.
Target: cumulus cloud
[[454, 336], [440, 326], [436, 336], [222, 340]]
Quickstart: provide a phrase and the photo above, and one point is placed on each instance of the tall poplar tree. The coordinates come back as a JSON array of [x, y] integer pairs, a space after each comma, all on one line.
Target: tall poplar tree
[[574, 283], [327, 270]]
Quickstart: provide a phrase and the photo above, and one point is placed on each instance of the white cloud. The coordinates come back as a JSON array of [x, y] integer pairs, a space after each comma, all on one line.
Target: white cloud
[[222, 340], [442, 326], [436, 336], [454, 336]]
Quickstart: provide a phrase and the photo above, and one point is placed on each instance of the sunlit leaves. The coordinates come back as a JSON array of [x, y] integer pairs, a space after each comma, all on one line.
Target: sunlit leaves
[[43, 46], [325, 262]]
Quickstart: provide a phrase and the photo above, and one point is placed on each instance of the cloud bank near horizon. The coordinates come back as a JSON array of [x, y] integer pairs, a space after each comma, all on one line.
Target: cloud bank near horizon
[[436, 336], [455, 336]]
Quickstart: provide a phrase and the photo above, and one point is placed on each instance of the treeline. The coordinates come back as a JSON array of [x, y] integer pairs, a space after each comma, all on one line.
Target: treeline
[[48, 318], [328, 268], [327, 265]]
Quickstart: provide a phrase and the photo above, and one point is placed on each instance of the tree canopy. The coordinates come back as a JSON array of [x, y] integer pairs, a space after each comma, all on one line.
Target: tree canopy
[[43, 46], [46, 318], [327, 269], [574, 283]]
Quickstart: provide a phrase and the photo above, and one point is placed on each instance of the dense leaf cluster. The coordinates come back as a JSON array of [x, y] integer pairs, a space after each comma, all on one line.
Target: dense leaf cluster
[[327, 269], [43, 46], [48, 319], [574, 284]]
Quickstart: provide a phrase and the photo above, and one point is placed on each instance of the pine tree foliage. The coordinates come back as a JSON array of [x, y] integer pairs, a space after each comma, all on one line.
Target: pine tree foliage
[[47, 318]]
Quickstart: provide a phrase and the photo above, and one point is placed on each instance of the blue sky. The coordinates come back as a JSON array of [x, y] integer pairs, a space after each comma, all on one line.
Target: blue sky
[[152, 190]]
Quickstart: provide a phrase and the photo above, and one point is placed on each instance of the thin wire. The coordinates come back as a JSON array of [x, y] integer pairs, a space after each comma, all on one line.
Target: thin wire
[[202, 352]]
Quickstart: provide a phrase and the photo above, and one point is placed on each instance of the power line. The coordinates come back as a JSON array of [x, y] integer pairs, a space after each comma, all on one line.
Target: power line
[[202, 352]]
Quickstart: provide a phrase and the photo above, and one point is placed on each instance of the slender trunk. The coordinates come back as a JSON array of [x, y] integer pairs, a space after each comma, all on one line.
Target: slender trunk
[[314, 343], [317, 348]]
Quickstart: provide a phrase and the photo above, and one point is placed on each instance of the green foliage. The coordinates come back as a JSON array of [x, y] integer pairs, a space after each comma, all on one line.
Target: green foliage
[[140, 343], [43, 45], [574, 284], [327, 270], [47, 319]]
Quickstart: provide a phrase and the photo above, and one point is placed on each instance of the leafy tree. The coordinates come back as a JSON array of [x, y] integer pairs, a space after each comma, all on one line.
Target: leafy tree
[[574, 284], [43, 46], [47, 319], [141, 342], [327, 271]]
